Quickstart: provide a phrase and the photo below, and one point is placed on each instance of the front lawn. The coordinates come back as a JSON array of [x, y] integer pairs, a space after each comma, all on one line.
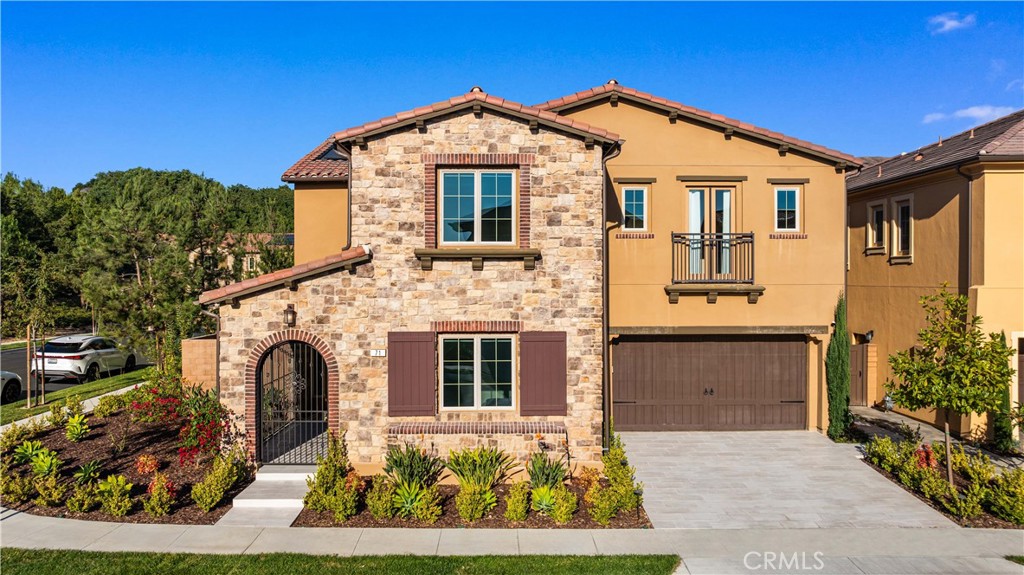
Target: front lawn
[[16, 411], [1016, 558], [45, 562]]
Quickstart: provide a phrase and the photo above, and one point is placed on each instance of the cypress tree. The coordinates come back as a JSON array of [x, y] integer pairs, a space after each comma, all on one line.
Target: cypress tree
[[837, 375]]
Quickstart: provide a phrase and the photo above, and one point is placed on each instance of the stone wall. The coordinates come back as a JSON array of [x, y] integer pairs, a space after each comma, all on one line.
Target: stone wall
[[353, 313]]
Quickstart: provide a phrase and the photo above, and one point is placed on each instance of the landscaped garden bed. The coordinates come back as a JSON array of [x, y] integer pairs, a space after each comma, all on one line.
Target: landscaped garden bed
[[138, 458], [980, 496], [408, 493]]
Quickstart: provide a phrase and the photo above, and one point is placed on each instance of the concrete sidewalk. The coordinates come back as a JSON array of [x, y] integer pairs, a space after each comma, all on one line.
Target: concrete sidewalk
[[719, 551]]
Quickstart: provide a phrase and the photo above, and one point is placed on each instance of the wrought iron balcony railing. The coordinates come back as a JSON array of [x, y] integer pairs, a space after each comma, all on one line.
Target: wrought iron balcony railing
[[712, 258]]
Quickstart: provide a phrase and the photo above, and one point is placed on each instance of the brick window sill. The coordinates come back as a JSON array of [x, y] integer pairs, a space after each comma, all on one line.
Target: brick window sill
[[475, 428], [477, 255]]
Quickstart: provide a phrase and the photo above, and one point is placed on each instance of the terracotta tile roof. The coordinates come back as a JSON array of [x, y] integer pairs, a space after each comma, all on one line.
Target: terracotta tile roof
[[1001, 137], [484, 99], [319, 165], [598, 92], [295, 273]]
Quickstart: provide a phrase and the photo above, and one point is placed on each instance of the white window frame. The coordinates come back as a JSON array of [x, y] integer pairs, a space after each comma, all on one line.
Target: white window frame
[[895, 255], [796, 204], [477, 385], [869, 236], [477, 221], [646, 204]]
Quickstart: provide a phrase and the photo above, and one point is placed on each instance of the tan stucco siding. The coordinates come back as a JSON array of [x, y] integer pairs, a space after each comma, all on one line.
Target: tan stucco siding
[[321, 219]]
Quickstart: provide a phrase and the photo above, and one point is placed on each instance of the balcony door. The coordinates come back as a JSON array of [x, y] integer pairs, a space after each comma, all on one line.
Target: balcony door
[[710, 215]]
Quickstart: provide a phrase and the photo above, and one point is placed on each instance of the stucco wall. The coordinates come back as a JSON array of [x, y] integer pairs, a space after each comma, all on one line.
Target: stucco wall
[[321, 222]]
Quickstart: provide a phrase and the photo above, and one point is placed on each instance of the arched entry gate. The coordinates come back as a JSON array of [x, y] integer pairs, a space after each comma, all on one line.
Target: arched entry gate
[[291, 387]]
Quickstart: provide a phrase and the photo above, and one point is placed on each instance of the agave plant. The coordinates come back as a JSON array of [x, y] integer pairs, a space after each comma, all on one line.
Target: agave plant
[[407, 495], [28, 450], [46, 463], [483, 467], [88, 473], [542, 499], [544, 471]]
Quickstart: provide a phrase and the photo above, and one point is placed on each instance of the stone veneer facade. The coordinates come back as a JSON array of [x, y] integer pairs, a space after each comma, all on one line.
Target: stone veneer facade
[[353, 312]]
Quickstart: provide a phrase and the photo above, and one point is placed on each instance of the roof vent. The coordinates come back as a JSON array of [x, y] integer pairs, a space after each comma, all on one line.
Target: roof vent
[[613, 82], [918, 157], [971, 137], [903, 154], [940, 141], [476, 89]]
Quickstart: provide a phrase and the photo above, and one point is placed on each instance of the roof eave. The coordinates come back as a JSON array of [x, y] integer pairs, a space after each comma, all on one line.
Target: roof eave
[[298, 179], [283, 282]]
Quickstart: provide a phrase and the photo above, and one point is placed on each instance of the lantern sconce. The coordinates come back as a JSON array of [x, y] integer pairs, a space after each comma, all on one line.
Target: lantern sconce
[[289, 315]]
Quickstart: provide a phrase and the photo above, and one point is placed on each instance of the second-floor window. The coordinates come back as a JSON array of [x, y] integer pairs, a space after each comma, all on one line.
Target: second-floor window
[[902, 242], [876, 226], [634, 207], [477, 207], [787, 215]]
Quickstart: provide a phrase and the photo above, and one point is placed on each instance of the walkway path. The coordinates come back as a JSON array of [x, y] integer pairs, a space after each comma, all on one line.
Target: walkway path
[[719, 551]]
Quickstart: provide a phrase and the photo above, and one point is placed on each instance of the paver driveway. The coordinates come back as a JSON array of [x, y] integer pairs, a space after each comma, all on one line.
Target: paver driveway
[[731, 480]]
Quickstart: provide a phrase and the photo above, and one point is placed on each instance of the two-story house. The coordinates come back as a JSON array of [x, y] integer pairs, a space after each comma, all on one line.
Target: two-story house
[[950, 212], [478, 271]]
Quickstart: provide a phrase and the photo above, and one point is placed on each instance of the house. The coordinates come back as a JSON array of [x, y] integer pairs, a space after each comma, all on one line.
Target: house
[[479, 271], [949, 212]]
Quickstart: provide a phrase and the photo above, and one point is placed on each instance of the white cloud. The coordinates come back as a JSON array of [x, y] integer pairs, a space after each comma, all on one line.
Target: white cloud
[[977, 114], [949, 21], [1017, 84]]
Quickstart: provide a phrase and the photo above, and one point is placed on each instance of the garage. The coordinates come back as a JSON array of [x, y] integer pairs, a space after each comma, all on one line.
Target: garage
[[709, 383]]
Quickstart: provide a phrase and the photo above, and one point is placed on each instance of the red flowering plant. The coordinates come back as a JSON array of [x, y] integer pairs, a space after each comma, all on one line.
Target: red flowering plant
[[158, 400], [926, 457], [206, 422]]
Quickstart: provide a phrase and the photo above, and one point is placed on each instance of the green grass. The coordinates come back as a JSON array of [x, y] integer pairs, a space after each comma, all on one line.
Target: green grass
[[45, 562], [12, 345], [15, 411], [1016, 558]]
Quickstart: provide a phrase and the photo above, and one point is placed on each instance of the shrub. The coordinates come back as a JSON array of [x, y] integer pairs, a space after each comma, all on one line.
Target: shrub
[[409, 464], [1006, 497], [474, 501], [76, 429], [542, 499], [889, 455], [146, 465], [73, 406], [27, 450], [109, 405], [159, 496], [966, 503], [517, 503], [974, 468], [837, 375], [115, 495], [564, 506], [620, 475], [119, 432], [604, 506], [428, 507], [83, 499], [14, 436], [222, 476], [587, 478], [205, 422], [544, 471], [1002, 425], [88, 473], [157, 400], [335, 487], [482, 467], [50, 491], [16, 488], [46, 463], [58, 415], [380, 498], [933, 485]]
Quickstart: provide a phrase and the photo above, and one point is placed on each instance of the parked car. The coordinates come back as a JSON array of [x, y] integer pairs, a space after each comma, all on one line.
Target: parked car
[[82, 357], [10, 387]]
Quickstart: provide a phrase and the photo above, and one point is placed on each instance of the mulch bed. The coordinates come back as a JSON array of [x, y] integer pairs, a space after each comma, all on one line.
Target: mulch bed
[[493, 520], [985, 521], [157, 439]]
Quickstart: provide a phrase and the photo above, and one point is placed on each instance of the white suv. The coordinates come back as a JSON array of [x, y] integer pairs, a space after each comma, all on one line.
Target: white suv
[[81, 357]]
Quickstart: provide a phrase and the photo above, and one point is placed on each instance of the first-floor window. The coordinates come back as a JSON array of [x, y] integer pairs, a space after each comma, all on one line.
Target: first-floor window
[[476, 371]]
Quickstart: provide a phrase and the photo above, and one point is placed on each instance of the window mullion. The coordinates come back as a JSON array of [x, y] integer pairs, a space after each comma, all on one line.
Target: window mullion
[[478, 198], [476, 373]]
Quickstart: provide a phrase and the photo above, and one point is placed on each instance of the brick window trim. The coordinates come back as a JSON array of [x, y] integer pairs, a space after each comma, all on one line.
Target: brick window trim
[[433, 162], [476, 326], [634, 236], [259, 351], [476, 428], [787, 236]]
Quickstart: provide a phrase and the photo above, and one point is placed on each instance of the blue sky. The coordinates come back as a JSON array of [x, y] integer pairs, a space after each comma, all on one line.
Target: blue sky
[[239, 91]]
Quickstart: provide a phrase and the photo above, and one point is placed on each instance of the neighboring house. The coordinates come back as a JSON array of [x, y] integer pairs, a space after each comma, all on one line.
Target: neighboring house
[[950, 212], [451, 279], [243, 253]]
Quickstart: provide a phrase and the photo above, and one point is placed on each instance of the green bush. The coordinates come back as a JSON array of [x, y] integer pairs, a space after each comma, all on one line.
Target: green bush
[[974, 468], [620, 476], [222, 476], [88, 472], [73, 406], [934, 486], [428, 508], [604, 506], [1002, 425], [380, 497], [517, 503], [110, 404], [544, 471], [14, 436], [1006, 497], [837, 375], [46, 463], [335, 487], [76, 429], [58, 415], [564, 506], [16, 488], [28, 450], [482, 467], [542, 499], [50, 491], [890, 455], [474, 501], [159, 496], [409, 464], [83, 499], [115, 495], [966, 503], [407, 496]]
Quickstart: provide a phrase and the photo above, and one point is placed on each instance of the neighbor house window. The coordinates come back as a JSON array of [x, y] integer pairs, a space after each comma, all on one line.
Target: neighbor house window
[[876, 226], [903, 227], [634, 202], [787, 210], [477, 371], [477, 207]]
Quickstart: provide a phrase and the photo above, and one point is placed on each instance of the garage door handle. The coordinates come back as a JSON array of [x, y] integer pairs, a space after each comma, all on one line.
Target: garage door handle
[[792, 401], [623, 402]]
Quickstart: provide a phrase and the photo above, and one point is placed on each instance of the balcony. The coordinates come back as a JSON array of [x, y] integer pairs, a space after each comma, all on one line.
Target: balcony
[[713, 264]]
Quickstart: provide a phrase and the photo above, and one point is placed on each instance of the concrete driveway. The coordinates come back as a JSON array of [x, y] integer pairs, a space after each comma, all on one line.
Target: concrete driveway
[[736, 480]]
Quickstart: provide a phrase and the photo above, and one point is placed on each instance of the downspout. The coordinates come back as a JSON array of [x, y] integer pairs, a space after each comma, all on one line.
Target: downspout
[[348, 211], [216, 349], [606, 406], [970, 223]]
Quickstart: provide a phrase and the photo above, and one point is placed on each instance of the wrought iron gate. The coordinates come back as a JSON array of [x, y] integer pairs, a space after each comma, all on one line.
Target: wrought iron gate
[[292, 404]]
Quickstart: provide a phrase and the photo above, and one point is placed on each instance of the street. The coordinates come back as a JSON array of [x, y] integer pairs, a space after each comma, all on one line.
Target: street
[[13, 360]]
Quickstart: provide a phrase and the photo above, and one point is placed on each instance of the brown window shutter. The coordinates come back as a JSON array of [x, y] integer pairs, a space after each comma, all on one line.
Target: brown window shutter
[[542, 373], [411, 375]]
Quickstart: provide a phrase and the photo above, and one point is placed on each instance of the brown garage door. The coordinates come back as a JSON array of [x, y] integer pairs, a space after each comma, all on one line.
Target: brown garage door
[[709, 383]]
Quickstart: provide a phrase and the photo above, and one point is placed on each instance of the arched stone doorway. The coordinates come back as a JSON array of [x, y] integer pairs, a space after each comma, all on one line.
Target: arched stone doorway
[[292, 411]]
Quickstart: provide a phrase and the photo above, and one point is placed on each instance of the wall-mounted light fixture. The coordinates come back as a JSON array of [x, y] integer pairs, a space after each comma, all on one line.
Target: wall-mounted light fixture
[[289, 316], [870, 335]]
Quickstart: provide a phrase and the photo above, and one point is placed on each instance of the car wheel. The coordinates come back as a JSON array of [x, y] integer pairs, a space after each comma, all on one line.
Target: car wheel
[[129, 364], [11, 392], [92, 374]]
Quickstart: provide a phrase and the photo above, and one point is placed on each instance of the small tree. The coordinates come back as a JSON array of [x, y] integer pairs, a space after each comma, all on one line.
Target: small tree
[[955, 367], [837, 375]]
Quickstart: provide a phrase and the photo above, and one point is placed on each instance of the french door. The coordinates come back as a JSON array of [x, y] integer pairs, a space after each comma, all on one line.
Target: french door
[[710, 216]]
